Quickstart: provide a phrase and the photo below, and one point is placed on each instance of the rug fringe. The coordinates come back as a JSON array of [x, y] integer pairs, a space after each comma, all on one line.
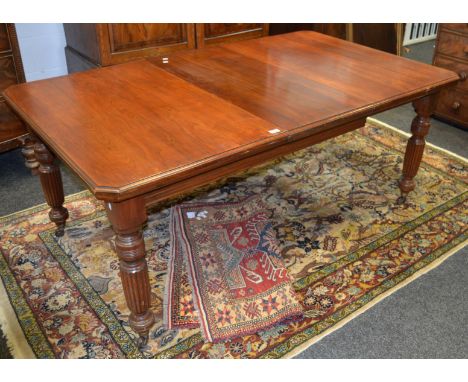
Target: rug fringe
[[299, 349], [167, 306], [191, 275]]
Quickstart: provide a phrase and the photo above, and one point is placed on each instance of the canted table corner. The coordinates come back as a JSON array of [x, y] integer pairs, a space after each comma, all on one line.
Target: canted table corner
[[145, 131]]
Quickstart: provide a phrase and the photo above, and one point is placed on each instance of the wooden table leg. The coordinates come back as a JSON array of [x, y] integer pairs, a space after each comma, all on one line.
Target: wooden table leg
[[127, 219], [52, 186], [27, 151], [415, 147]]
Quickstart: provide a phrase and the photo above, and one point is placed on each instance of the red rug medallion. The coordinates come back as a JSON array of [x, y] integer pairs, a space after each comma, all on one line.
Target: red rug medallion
[[226, 273]]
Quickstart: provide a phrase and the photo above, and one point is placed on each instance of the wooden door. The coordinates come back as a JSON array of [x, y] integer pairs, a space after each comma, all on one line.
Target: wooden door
[[335, 30], [385, 36], [11, 72], [125, 42], [208, 34]]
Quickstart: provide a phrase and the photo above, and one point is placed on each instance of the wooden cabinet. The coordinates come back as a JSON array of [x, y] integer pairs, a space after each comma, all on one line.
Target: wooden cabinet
[[94, 45], [383, 36], [125, 42], [208, 34], [335, 30], [452, 53], [386, 37], [11, 72]]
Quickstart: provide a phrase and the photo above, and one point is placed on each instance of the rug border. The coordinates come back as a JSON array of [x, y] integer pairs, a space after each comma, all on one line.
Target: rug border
[[434, 264], [405, 228], [17, 342], [408, 135], [43, 206], [92, 298]]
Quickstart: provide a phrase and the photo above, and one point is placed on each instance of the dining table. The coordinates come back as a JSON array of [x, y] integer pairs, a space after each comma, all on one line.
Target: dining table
[[145, 131]]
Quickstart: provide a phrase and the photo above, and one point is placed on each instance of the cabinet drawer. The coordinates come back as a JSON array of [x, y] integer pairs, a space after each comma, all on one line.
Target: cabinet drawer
[[460, 68], [10, 128], [453, 44], [7, 72], [453, 105], [216, 33], [4, 40]]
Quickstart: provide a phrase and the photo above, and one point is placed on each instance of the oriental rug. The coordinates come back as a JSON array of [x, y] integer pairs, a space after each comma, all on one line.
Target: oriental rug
[[225, 273], [344, 240]]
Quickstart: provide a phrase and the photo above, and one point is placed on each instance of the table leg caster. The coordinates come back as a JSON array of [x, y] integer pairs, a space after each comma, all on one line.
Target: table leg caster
[[51, 181], [401, 199], [142, 341], [415, 146], [60, 231]]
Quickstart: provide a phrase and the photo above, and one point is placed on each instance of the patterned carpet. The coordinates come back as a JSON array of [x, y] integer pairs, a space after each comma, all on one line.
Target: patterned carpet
[[226, 274], [342, 237]]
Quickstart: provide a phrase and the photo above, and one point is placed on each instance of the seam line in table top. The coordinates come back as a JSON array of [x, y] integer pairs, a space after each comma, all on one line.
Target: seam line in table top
[[283, 133]]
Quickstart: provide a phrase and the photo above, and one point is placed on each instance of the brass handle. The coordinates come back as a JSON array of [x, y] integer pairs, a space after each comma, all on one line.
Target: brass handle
[[456, 105], [462, 76]]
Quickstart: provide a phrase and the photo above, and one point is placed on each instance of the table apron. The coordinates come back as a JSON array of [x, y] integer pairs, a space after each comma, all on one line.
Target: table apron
[[187, 185]]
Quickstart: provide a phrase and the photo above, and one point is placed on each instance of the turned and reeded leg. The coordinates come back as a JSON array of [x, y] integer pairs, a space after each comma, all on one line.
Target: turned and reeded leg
[[52, 186], [28, 154], [415, 147], [127, 219]]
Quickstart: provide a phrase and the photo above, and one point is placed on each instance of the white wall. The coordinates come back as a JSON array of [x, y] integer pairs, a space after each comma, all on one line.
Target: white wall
[[42, 50]]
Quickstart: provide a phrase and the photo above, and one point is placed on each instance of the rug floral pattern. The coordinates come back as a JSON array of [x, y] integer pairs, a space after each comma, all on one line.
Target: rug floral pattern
[[343, 239]]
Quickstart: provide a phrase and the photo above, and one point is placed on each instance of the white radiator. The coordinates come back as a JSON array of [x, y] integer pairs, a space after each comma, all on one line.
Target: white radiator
[[419, 32]]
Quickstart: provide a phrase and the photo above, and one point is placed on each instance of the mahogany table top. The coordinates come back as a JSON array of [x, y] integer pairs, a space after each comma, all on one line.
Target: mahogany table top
[[136, 127]]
